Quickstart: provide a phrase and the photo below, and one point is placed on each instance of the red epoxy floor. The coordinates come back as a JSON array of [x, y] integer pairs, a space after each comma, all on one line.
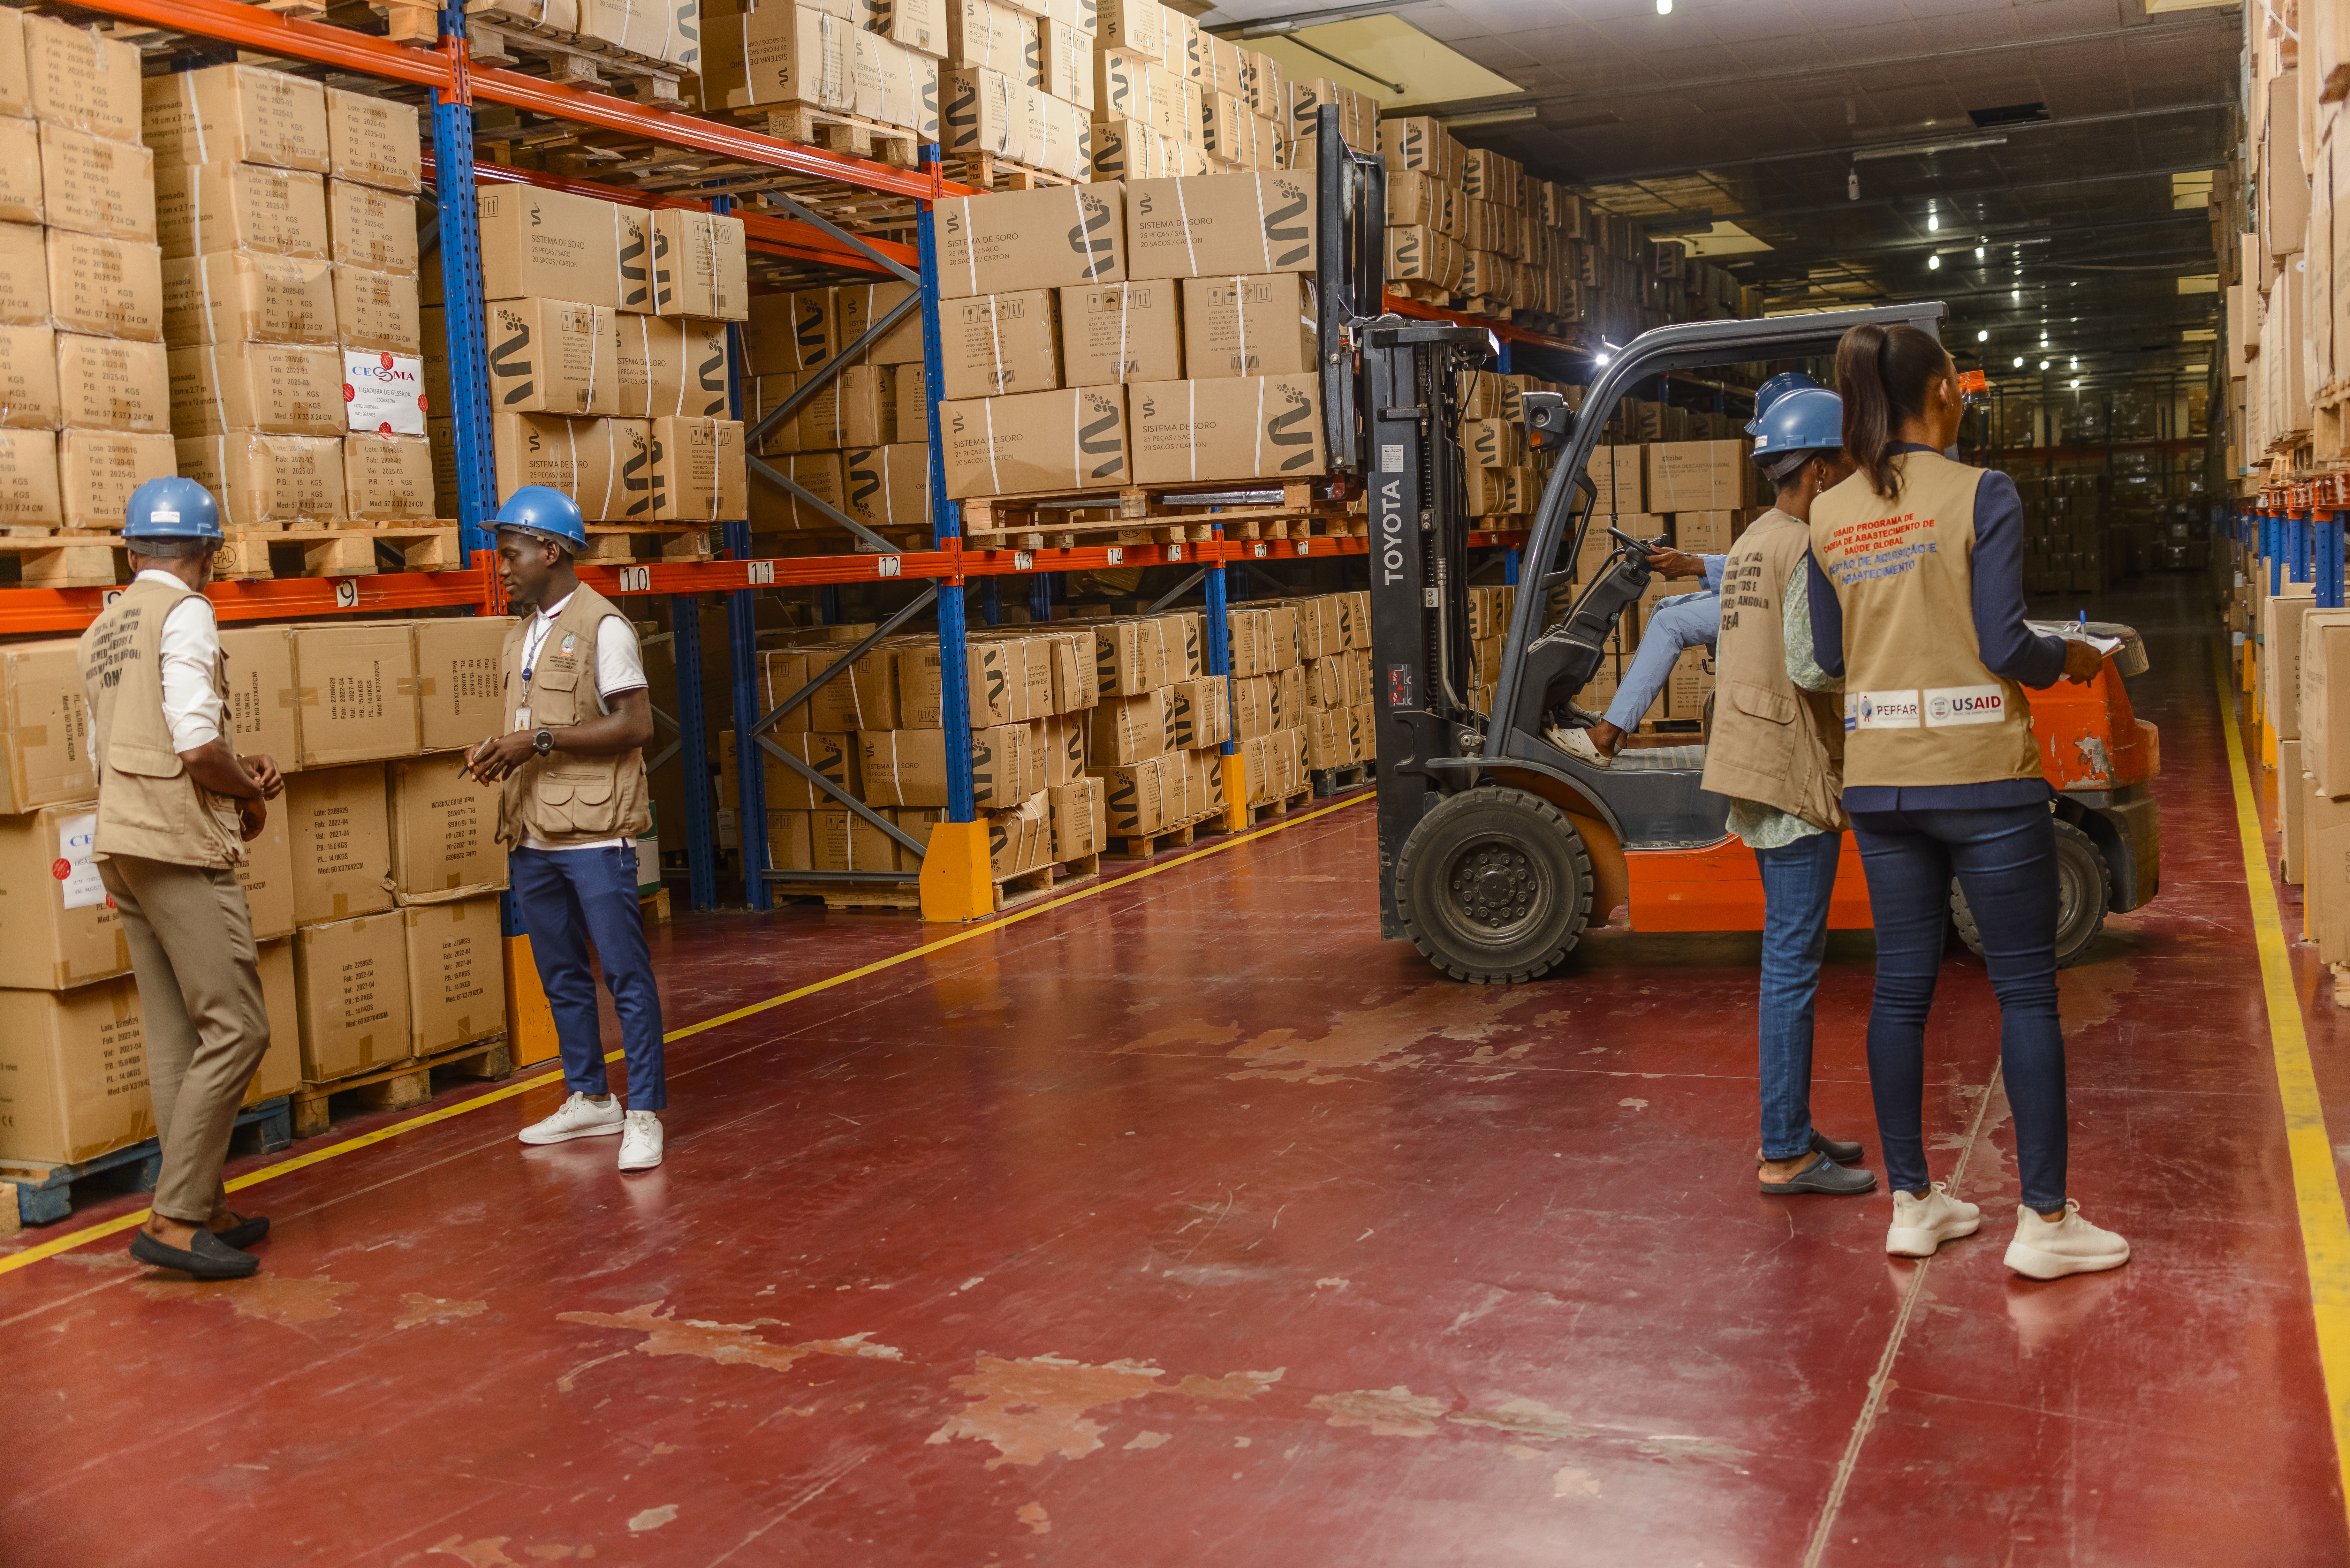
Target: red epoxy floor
[[1193, 1224]]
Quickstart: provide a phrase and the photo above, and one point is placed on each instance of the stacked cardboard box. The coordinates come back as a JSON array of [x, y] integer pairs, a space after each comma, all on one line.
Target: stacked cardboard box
[[861, 442], [808, 65], [81, 353], [1154, 742], [607, 350], [1334, 648]]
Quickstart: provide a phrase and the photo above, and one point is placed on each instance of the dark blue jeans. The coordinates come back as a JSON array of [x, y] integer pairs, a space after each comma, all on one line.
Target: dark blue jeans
[[569, 898], [2005, 860], [1796, 881]]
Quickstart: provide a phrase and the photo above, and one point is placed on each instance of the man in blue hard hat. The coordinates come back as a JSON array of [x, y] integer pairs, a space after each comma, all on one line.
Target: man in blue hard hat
[[176, 806], [570, 766], [1681, 622]]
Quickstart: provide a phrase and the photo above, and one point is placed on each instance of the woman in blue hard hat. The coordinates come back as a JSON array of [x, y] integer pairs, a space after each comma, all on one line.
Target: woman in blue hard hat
[[571, 766], [1917, 600], [176, 806], [1681, 622], [1776, 750]]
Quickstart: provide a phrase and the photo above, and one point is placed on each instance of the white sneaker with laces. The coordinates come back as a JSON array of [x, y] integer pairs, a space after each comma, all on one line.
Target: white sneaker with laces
[[640, 1141], [1576, 743], [580, 1117], [1922, 1224], [2051, 1249]]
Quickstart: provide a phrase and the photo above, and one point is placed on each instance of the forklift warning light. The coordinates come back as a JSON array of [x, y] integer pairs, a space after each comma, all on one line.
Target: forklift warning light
[[1398, 685], [1973, 384]]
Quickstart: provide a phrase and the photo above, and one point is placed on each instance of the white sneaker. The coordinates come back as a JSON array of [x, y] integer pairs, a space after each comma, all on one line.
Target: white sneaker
[[2050, 1249], [640, 1142], [580, 1117], [1921, 1224], [1576, 743]]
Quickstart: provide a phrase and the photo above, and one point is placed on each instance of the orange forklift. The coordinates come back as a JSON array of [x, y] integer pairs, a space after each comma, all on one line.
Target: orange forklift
[[1497, 849]]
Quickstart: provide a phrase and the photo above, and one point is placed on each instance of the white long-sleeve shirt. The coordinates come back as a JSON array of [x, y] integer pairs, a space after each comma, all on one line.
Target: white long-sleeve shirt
[[191, 647]]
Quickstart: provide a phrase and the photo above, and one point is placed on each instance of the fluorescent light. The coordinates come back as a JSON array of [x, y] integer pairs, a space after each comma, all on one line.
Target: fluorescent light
[[2019, 361], [1933, 264], [1979, 251], [1852, 186], [1933, 223], [1983, 335], [2043, 364], [1923, 148], [1664, 7], [1487, 117], [2077, 381]]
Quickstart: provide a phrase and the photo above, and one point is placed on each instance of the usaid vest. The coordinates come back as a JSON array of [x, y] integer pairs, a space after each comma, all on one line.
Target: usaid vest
[[148, 806], [1919, 706], [563, 798], [1773, 742]]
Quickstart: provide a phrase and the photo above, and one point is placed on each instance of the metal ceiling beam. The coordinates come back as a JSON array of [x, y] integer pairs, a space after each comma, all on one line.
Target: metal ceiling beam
[[2007, 188]]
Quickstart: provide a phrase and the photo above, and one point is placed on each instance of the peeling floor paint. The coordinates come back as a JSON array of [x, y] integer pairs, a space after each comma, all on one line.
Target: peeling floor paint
[[433, 1309], [1388, 1412], [278, 1298], [1036, 1405], [727, 1343]]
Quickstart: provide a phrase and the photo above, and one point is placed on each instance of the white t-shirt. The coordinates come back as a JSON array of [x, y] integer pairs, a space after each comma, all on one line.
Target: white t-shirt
[[191, 643], [619, 667]]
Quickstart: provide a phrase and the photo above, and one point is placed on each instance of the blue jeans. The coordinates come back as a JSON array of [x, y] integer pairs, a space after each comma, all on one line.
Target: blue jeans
[[2005, 860], [569, 898], [1796, 881], [1684, 621]]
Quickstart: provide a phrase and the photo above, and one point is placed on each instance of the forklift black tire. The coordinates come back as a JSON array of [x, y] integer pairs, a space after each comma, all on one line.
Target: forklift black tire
[[2083, 895], [1494, 885]]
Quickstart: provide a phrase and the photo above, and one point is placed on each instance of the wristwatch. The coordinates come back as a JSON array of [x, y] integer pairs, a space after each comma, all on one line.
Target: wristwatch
[[543, 741]]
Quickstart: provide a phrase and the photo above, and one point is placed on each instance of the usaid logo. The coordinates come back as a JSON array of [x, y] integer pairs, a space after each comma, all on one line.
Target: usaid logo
[[1965, 705]]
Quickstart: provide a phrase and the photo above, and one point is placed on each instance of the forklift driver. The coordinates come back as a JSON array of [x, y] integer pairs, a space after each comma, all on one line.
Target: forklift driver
[[1682, 621]]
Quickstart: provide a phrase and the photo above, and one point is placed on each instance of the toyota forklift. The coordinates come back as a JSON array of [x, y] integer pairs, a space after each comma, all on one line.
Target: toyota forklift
[[1498, 849]]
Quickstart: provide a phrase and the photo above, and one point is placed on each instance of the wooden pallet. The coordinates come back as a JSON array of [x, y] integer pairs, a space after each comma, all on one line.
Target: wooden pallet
[[653, 907], [400, 1086], [44, 1193], [1328, 781], [1272, 810], [498, 34], [75, 558], [1037, 520], [1142, 847], [990, 173], [616, 544], [1043, 881], [835, 132]]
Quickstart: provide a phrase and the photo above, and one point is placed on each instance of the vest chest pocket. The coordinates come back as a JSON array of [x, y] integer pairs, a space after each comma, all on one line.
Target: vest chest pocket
[[555, 695], [1757, 702]]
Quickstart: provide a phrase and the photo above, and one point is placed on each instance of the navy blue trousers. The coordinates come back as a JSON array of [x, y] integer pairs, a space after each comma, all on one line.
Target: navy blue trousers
[[569, 898]]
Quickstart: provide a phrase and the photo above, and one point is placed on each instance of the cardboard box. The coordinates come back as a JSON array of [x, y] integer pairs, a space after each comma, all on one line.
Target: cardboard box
[[1020, 839], [108, 384], [907, 767], [835, 756], [340, 834], [377, 310], [1697, 475], [698, 265], [25, 275], [1264, 640], [43, 724], [97, 469], [443, 827], [548, 245], [388, 479], [670, 365], [858, 307], [1125, 730], [857, 408], [372, 229], [268, 481], [698, 470], [383, 392], [237, 296], [110, 288], [548, 356], [279, 389], [350, 986], [357, 699], [1250, 326], [781, 54], [267, 875], [374, 140], [1035, 441], [1007, 241], [2279, 667], [998, 343], [1007, 680], [919, 25], [243, 206], [1200, 712], [1131, 657], [2293, 810], [460, 694], [1253, 427], [280, 1071], [812, 330], [237, 114], [841, 840], [1704, 533], [261, 694], [888, 486], [1119, 332], [73, 1069], [1222, 226], [82, 78], [29, 396], [582, 458], [988, 33], [92, 184], [1619, 476], [58, 927], [1146, 797], [1079, 810]]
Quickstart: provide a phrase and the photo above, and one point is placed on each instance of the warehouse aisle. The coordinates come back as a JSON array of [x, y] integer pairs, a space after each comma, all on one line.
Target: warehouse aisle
[[1188, 1222]]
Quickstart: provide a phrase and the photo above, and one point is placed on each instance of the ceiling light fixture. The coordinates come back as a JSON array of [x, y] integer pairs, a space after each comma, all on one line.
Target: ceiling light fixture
[[1979, 251], [2019, 296], [1852, 186], [2019, 361], [1925, 148], [2075, 363], [1933, 264], [2043, 364], [1664, 7], [1983, 335], [2077, 381], [1484, 116], [1272, 26]]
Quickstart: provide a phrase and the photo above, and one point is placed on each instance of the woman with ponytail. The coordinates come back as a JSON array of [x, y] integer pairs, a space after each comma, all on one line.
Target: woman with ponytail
[[1917, 600]]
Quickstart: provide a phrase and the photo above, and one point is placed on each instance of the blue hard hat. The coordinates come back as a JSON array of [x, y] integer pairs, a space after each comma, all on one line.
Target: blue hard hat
[[1772, 390], [545, 512], [1805, 419], [171, 508]]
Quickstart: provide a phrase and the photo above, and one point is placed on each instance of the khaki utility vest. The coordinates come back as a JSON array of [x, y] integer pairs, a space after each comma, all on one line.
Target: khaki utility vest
[[148, 806], [1919, 706], [562, 798], [1773, 742]]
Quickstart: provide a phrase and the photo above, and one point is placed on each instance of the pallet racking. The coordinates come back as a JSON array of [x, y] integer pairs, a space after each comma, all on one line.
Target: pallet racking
[[832, 207]]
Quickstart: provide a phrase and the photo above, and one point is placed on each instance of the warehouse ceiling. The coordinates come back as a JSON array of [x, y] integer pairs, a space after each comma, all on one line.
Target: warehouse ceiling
[[2071, 140]]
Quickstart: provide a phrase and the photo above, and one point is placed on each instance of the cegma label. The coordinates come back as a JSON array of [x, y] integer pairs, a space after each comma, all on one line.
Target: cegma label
[[1965, 705], [1880, 710]]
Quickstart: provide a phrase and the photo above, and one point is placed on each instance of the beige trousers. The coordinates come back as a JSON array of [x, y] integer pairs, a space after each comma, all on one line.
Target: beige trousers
[[201, 1006]]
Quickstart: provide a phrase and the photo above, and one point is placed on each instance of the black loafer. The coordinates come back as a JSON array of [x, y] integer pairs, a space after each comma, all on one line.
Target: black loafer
[[1824, 1175], [1842, 1153], [252, 1227], [209, 1259]]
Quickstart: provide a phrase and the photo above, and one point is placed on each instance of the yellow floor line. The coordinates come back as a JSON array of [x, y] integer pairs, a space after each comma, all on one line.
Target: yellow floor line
[[2316, 1189], [66, 1244]]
